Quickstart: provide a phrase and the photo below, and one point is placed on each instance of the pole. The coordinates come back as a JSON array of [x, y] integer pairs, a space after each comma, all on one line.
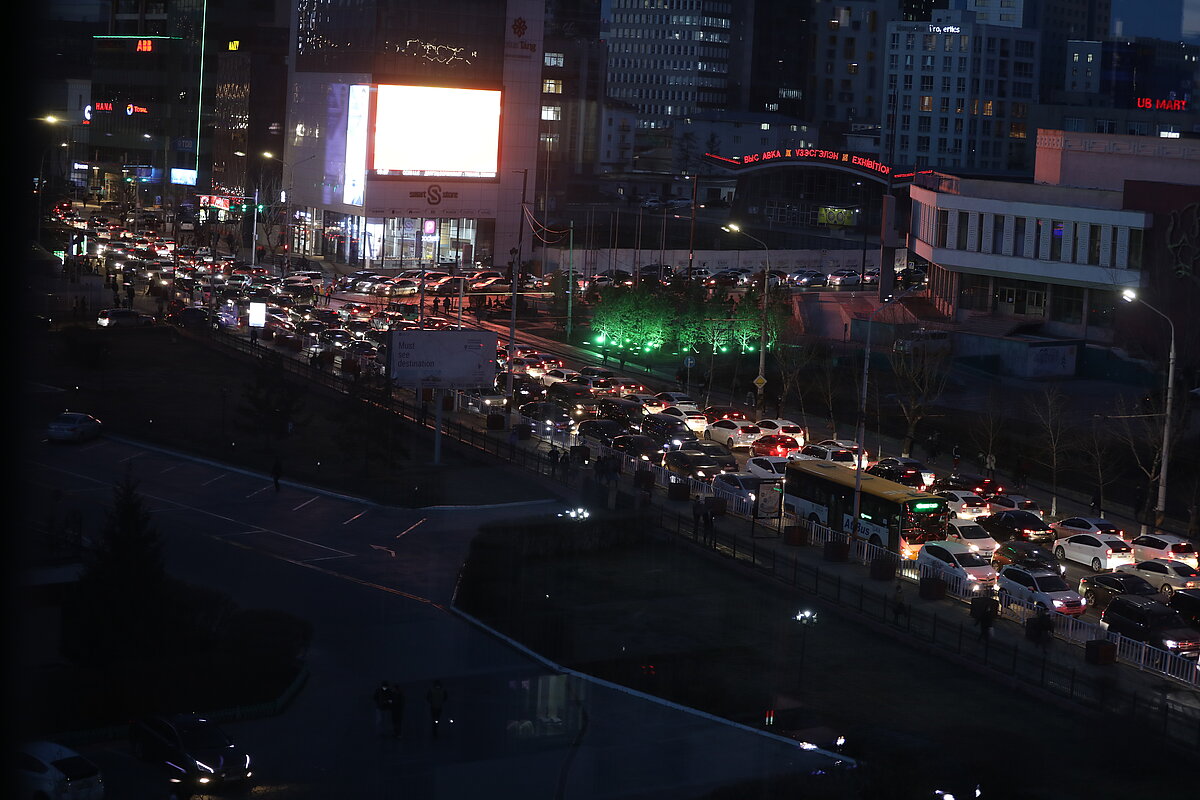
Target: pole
[[570, 278], [692, 232], [515, 279], [1160, 509], [254, 233]]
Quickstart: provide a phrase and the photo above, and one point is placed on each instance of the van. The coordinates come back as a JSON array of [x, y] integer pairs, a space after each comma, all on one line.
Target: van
[[926, 340]]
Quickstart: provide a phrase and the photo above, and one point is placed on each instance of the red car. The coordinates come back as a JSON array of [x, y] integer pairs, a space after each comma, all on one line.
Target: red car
[[774, 445]]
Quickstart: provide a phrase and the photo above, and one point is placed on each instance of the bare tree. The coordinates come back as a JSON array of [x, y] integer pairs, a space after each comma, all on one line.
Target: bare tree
[[989, 424], [921, 377], [1099, 449], [1139, 430], [1049, 412], [827, 380], [794, 355]]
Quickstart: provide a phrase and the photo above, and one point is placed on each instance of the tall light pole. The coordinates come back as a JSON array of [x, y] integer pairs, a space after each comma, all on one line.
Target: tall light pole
[[515, 279], [1160, 508], [692, 230], [861, 431], [761, 381]]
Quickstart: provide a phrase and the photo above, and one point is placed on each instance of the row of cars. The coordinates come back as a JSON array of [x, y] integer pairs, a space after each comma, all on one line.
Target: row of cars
[[745, 277], [413, 282]]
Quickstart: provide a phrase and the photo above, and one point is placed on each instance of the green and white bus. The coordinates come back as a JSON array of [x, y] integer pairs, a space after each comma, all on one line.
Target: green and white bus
[[891, 515]]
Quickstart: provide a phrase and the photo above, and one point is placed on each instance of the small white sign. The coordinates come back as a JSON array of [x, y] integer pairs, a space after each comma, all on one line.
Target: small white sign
[[258, 315]]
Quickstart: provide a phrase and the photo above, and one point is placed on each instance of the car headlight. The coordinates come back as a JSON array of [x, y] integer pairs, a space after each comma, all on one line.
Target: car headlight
[[1057, 603], [1170, 644], [699, 473], [751, 496], [971, 577], [205, 767]]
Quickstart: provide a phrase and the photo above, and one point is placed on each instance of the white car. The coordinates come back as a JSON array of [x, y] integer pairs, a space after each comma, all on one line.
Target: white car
[[959, 560], [1039, 587], [1072, 525], [1014, 502], [964, 505], [972, 534], [767, 466], [845, 444], [678, 399], [783, 426], [49, 771], [844, 277], [1098, 550], [1167, 574], [554, 376], [743, 485], [72, 426], [1164, 545], [695, 420], [733, 432], [650, 403]]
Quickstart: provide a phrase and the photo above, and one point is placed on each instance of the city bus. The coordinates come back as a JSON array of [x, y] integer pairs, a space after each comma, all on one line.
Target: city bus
[[891, 515]]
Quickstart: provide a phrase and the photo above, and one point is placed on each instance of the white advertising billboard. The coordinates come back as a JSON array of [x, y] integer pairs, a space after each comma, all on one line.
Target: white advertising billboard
[[442, 359], [357, 115], [436, 132]]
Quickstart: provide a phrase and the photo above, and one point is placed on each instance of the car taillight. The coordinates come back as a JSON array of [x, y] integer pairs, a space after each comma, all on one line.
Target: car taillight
[[1108, 553]]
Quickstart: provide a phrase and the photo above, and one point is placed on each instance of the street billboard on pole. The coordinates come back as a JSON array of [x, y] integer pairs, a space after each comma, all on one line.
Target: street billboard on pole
[[442, 359]]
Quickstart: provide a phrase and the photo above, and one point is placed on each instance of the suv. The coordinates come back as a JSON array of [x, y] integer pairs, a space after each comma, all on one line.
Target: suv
[[1187, 603], [671, 432], [1042, 588], [1152, 622]]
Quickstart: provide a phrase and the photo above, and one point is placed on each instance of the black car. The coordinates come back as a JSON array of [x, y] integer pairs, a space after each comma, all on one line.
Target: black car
[[190, 317], [549, 417], [1098, 590], [601, 431], [638, 447], [905, 471], [1155, 623], [1026, 554], [194, 748], [671, 432], [691, 464], [1187, 603], [1022, 525], [969, 482], [716, 451], [525, 389], [628, 412]]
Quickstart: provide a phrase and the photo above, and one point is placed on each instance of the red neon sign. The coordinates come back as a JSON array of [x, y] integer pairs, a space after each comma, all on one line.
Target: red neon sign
[[145, 45], [1162, 104], [806, 154]]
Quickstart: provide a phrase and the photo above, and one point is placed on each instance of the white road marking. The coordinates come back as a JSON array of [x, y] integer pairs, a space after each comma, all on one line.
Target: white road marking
[[258, 491], [410, 527], [306, 502], [356, 516], [214, 480]]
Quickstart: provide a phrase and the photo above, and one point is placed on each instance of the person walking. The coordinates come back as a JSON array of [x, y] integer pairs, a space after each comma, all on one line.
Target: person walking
[[899, 607], [397, 711], [697, 515], [436, 697], [553, 457], [1043, 627], [985, 620], [990, 464], [708, 525], [383, 705], [276, 472], [956, 454], [1096, 505]]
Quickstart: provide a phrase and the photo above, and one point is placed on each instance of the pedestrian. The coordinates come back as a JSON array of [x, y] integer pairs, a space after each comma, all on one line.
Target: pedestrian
[[276, 472], [990, 464], [899, 607], [750, 399], [383, 705], [436, 697], [1096, 504], [708, 525], [553, 458], [697, 515], [397, 711], [985, 620], [1022, 473], [956, 454], [1043, 627], [512, 439], [564, 463]]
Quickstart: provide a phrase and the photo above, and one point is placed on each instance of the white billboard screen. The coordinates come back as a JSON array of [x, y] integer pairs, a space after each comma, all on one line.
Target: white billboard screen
[[442, 359], [429, 131], [357, 114]]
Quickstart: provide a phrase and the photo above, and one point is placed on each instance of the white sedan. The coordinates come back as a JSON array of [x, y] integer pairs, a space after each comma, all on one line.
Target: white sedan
[[733, 432], [783, 426], [558, 376], [695, 420], [964, 505], [71, 426], [973, 535], [678, 399], [767, 466], [1163, 545], [1167, 574], [650, 403], [958, 560], [743, 485], [1097, 550], [1093, 525]]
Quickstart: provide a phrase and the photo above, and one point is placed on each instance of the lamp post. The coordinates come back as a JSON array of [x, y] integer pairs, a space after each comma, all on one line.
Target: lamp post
[[287, 202], [1160, 508], [807, 619], [861, 430], [514, 279], [41, 182], [692, 230], [761, 381]]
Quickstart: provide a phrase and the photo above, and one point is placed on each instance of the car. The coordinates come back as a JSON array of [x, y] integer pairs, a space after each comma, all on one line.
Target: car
[[43, 770], [1144, 619], [1008, 502], [483, 401], [548, 418], [336, 337], [1163, 545], [1027, 554], [397, 287], [1023, 525], [960, 561], [679, 400], [650, 403], [973, 535], [1094, 525], [123, 318], [1099, 551], [733, 432], [822, 453], [962, 504], [579, 401], [846, 444], [1098, 590], [969, 482], [1042, 588], [671, 433], [627, 412], [718, 452], [449, 285], [906, 471], [693, 419], [742, 485], [1167, 574], [553, 376], [598, 386], [600, 431], [597, 372], [690, 464], [524, 389], [844, 277], [73, 426], [871, 276], [637, 447], [196, 749], [714, 413], [1187, 603], [785, 427], [772, 467], [628, 386], [538, 364], [808, 277], [774, 445], [492, 286]]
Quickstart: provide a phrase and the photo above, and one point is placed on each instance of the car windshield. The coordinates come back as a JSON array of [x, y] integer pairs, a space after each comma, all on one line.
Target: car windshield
[[841, 455], [972, 532], [1184, 571], [1051, 583], [1038, 554], [203, 735], [970, 560], [1029, 520]]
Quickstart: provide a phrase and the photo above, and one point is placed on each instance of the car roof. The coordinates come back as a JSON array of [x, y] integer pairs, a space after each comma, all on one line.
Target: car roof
[[953, 547]]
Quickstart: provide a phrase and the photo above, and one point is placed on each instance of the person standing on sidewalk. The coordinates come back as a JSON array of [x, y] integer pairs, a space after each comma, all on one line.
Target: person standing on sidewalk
[[436, 697], [383, 705]]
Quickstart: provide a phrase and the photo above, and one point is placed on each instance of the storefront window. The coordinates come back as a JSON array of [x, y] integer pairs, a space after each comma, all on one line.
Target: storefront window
[[1066, 304]]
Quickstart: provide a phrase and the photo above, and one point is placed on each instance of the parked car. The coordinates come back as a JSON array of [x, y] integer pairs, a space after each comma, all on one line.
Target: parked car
[[774, 445], [960, 561], [1023, 525], [1166, 574], [44, 770], [905, 471], [73, 426], [733, 432], [1040, 587], [1163, 545], [1098, 590], [1097, 550], [844, 277], [200, 753], [808, 277], [1027, 554], [963, 504], [1157, 624], [973, 535]]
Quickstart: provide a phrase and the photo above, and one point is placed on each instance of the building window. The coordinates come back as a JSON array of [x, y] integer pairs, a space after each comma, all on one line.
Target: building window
[[926, 102], [940, 232], [551, 86], [1106, 126], [1058, 230], [554, 60], [1019, 237], [551, 112]]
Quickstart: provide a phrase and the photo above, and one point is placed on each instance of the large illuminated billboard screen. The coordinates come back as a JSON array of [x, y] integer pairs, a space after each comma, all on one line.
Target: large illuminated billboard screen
[[429, 131]]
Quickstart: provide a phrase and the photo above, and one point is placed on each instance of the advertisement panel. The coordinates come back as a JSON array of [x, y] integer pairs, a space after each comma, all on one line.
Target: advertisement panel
[[357, 115], [431, 131], [442, 359]]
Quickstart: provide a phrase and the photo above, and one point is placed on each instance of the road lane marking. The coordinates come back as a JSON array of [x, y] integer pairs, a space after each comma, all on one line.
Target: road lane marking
[[214, 480], [306, 502], [356, 516], [258, 491], [410, 527]]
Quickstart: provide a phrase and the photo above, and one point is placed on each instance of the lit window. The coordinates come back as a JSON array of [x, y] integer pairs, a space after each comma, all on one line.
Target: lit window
[[551, 86], [551, 112], [554, 59]]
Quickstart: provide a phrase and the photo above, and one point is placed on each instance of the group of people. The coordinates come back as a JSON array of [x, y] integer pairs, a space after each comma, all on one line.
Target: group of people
[[389, 707]]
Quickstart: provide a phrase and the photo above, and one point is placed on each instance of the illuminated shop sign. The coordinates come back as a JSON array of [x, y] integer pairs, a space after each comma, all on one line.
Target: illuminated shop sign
[[1162, 104], [945, 29], [830, 215], [803, 155], [133, 108]]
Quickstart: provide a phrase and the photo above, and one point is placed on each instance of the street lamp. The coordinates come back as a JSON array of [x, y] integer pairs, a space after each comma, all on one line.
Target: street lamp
[[1160, 508], [807, 619], [761, 381], [287, 200]]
